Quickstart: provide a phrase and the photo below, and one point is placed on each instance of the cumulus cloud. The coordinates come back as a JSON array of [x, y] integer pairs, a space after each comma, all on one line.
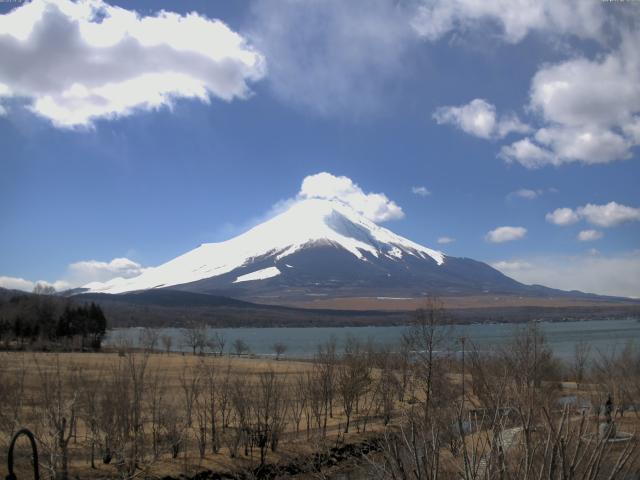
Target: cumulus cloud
[[75, 62], [87, 271], [590, 109], [515, 20], [562, 216], [446, 240], [15, 283], [80, 273], [527, 153], [608, 215], [617, 275], [421, 191], [590, 235], [506, 234], [333, 56], [479, 118], [585, 109], [374, 206]]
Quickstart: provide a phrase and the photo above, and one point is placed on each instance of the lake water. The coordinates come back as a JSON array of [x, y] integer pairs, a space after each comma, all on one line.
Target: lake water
[[603, 336]]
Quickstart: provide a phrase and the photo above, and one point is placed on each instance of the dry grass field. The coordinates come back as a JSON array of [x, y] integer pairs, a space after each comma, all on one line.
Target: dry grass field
[[133, 414], [176, 383]]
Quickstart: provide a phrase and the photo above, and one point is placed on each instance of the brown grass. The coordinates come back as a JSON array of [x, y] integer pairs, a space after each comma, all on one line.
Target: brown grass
[[172, 366]]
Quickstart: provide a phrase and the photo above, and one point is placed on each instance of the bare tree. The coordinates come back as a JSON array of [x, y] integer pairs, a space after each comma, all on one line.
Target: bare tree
[[240, 346], [269, 411], [89, 413], [241, 401], [428, 334], [44, 289], [279, 348], [582, 351], [190, 385], [148, 339], [426, 418], [12, 398], [326, 363], [174, 429], [59, 414], [387, 385], [212, 402], [298, 401], [354, 377], [217, 343], [157, 404], [202, 409], [223, 393], [167, 342], [195, 337]]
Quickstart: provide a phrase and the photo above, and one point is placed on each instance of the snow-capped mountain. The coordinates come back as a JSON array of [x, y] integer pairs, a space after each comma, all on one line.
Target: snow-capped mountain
[[317, 247]]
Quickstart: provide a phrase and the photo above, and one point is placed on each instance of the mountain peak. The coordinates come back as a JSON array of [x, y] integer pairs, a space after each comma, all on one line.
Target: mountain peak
[[305, 224]]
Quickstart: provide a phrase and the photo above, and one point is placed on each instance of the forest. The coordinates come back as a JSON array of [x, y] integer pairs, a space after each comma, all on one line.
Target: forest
[[44, 321]]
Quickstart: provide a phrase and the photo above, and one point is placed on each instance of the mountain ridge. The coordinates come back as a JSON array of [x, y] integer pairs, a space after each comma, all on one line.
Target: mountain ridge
[[323, 248]]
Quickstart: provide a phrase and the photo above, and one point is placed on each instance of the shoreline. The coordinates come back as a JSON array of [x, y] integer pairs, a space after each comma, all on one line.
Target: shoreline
[[595, 316]]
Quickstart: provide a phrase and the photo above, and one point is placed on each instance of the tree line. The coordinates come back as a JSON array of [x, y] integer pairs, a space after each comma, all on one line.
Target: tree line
[[45, 321]]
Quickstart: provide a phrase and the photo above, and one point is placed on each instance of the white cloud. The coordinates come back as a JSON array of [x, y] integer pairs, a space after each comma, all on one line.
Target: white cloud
[[515, 19], [562, 216], [446, 240], [375, 206], [479, 118], [617, 275], [80, 273], [15, 283], [590, 235], [600, 92], [506, 266], [422, 191], [333, 56], [506, 234], [607, 215], [87, 271], [527, 153], [75, 62], [587, 108], [587, 144], [526, 193], [590, 109]]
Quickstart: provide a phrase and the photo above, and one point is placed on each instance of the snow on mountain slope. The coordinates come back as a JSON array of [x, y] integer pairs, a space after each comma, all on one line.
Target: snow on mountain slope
[[306, 223], [268, 272]]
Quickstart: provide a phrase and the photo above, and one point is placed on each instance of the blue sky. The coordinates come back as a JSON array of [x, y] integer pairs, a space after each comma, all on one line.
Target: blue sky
[[502, 121]]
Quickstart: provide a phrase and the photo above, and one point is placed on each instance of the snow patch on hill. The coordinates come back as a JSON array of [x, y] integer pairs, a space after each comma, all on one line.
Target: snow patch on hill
[[258, 275]]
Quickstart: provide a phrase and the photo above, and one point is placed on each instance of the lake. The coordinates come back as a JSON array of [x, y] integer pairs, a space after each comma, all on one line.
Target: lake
[[603, 336]]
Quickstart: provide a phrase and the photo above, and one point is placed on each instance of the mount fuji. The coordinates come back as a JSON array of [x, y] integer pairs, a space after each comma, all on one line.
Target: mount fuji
[[321, 248]]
